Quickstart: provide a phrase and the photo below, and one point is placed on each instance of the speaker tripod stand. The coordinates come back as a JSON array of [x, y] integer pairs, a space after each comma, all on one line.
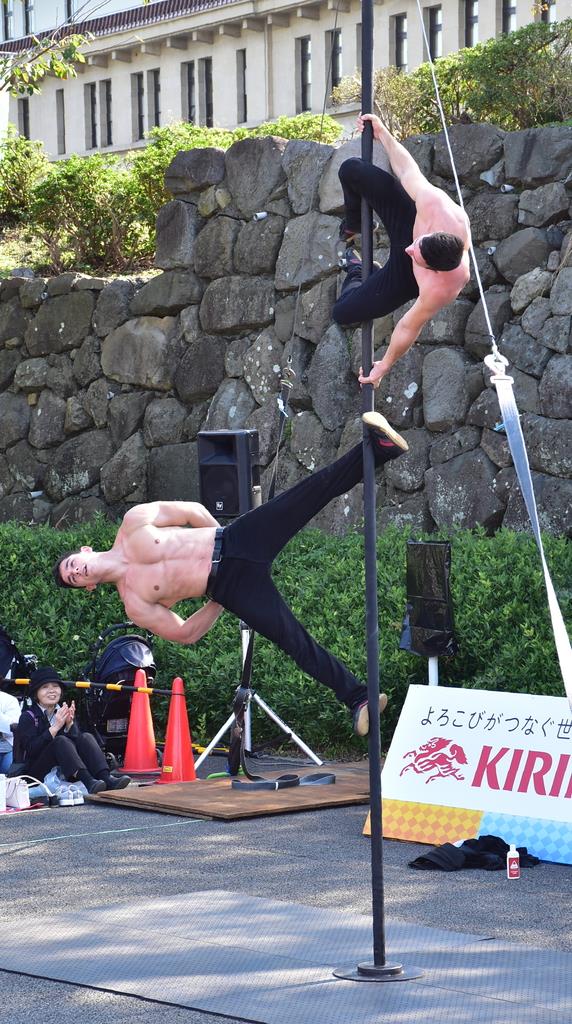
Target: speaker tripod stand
[[239, 722]]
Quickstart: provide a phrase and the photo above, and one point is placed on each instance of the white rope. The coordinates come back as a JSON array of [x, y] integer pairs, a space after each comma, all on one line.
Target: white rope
[[497, 364]]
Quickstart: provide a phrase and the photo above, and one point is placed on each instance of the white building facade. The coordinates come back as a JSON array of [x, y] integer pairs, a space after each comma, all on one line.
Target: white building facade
[[224, 62]]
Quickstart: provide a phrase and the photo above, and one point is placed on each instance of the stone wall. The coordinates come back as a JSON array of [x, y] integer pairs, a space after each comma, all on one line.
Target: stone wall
[[104, 385]]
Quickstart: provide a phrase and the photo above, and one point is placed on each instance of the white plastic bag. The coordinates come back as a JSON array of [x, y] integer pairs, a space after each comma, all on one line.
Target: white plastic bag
[[54, 779], [17, 794]]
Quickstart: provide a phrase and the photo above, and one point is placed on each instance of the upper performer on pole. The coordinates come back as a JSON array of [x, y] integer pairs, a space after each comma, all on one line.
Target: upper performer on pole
[[429, 238]]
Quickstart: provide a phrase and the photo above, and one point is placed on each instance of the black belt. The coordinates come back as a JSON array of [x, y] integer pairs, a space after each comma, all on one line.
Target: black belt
[[216, 560]]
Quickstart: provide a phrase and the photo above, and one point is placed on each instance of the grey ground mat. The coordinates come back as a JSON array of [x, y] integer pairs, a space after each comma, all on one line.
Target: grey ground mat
[[215, 798], [271, 962]]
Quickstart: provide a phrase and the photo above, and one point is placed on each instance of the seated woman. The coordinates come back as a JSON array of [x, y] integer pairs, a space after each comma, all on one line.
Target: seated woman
[[9, 715], [47, 736]]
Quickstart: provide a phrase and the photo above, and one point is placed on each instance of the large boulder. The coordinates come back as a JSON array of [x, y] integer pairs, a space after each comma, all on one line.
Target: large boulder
[[9, 361], [257, 246], [214, 248], [167, 294], [14, 417], [399, 395], [446, 397], [556, 333], [47, 421], [141, 352], [14, 320], [465, 439], [553, 502], [124, 477], [475, 147], [492, 216], [529, 287], [309, 251], [201, 369], [237, 303], [25, 466], [314, 314], [192, 170], [87, 362], [522, 252], [561, 294], [331, 383], [525, 352], [178, 224], [113, 306], [536, 156], [255, 176], [477, 338], [408, 471], [77, 464], [310, 443], [555, 388], [304, 163], [126, 413], [31, 374], [262, 366], [549, 444], [60, 324], [331, 195], [230, 407], [461, 492], [266, 420], [545, 205], [447, 326]]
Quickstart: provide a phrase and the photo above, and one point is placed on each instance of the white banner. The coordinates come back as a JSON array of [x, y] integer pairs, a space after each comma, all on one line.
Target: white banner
[[506, 753]]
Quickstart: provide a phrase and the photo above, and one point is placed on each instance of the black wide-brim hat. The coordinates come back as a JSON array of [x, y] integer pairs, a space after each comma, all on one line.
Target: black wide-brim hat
[[45, 674]]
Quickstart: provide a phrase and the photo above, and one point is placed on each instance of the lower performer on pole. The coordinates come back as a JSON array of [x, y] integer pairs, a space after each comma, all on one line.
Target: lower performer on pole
[[429, 242], [155, 562]]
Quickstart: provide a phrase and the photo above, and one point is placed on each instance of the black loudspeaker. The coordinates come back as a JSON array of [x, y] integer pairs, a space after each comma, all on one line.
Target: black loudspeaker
[[228, 471], [428, 624]]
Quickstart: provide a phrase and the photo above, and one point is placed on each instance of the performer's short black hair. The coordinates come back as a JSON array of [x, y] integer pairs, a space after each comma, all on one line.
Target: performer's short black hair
[[56, 569], [441, 251]]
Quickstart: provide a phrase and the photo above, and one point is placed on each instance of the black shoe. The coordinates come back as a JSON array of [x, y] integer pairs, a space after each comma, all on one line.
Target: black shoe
[[383, 433], [360, 715], [96, 786], [349, 258], [117, 782]]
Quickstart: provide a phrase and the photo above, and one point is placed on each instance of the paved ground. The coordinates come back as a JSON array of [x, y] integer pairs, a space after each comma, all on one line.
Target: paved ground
[[92, 855]]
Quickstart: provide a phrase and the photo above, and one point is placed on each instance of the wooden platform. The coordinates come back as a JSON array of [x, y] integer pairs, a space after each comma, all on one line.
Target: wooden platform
[[215, 798]]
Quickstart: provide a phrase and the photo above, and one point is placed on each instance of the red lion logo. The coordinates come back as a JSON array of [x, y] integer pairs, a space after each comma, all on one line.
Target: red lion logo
[[436, 759]]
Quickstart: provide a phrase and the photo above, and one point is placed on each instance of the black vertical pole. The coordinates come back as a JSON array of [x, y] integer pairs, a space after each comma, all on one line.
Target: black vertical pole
[[379, 970], [372, 631]]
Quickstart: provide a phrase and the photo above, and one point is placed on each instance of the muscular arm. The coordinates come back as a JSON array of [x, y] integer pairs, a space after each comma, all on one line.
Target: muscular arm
[[402, 163], [167, 624], [403, 337], [169, 513]]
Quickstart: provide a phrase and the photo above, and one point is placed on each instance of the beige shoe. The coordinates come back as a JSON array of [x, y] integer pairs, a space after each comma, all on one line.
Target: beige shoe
[[360, 715], [378, 423]]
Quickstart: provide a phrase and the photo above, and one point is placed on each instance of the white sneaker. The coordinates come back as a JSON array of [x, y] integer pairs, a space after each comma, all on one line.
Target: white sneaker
[[76, 794], [65, 796]]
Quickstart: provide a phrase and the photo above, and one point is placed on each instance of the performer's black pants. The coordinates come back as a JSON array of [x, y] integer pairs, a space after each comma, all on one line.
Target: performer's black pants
[[71, 754], [394, 284], [243, 582]]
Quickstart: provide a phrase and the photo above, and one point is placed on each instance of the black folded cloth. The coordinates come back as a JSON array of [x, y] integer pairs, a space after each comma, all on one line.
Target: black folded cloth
[[488, 852]]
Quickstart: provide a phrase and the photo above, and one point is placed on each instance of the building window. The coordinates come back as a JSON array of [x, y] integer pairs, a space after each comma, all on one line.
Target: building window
[[358, 45], [334, 58], [90, 104], [508, 16], [206, 90], [8, 19], [138, 105], [435, 32], [401, 42], [61, 120], [24, 117], [548, 11], [154, 95], [189, 91], [304, 66], [106, 127], [241, 104], [28, 17]]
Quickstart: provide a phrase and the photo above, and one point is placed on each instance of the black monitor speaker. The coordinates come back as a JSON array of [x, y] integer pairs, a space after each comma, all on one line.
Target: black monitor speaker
[[229, 474]]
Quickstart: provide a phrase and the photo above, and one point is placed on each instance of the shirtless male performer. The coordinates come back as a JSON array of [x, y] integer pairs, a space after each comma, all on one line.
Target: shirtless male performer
[[429, 241], [156, 562]]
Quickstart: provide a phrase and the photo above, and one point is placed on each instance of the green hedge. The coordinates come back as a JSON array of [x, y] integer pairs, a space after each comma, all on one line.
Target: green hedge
[[502, 623]]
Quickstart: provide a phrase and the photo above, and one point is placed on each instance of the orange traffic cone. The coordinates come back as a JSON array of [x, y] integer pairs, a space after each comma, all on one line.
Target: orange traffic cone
[[178, 763], [140, 751]]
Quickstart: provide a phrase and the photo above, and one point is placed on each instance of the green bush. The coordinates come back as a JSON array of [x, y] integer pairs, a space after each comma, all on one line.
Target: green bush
[[86, 212], [23, 164], [312, 127], [502, 624], [519, 80]]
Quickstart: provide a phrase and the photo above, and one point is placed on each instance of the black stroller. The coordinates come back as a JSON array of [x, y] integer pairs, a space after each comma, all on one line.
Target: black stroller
[[104, 713]]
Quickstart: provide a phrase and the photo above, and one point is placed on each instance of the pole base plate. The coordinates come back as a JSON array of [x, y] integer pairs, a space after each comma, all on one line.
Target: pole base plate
[[373, 972]]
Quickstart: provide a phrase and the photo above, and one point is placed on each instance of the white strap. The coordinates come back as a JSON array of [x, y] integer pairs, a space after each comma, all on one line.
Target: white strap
[[503, 384]]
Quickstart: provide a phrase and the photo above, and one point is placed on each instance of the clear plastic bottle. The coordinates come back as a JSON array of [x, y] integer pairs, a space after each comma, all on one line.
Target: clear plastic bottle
[[513, 862]]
